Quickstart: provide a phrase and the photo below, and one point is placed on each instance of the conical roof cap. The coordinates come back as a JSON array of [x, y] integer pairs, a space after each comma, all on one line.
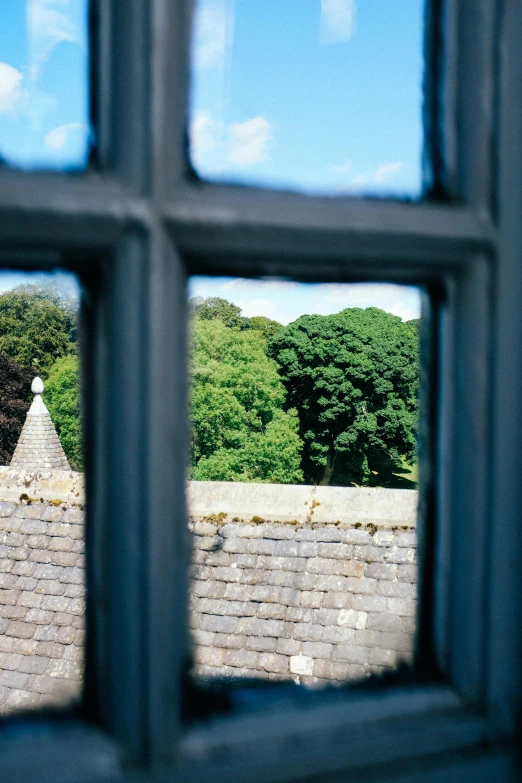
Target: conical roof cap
[[38, 446]]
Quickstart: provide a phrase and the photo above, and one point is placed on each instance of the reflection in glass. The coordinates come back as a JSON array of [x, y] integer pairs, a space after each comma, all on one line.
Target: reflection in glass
[[44, 89], [318, 95]]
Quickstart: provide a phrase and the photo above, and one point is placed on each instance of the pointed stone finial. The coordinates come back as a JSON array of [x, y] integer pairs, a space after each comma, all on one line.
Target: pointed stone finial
[[37, 386], [38, 447]]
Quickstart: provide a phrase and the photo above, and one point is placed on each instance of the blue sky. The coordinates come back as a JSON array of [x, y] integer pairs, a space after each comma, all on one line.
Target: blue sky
[[315, 95], [44, 83], [286, 300]]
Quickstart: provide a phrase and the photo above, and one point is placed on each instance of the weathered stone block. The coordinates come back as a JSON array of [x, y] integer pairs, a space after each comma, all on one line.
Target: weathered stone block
[[328, 535], [335, 551], [45, 571], [279, 532], [383, 657], [38, 616], [328, 670], [229, 640], [407, 573], [7, 581], [11, 679], [334, 600], [20, 630], [382, 621], [260, 643], [57, 603], [387, 571], [351, 653], [65, 635], [288, 646], [33, 526], [298, 614], [325, 616], [352, 618], [397, 589], [362, 585], [33, 664], [338, 634], [384, 538], [266, 594], [355, 536], [281, 578], [308, 632], [370, 603], [401, 606], [209, 622], [49, 587], [210, 656], [306, 534], [313, 599], [401, 642], [271, 662], [10, 661], [287, 548], [301, 665], [337, 584], [270, 611], [306, 581], [50, 649], [317, 649], [247, 659]]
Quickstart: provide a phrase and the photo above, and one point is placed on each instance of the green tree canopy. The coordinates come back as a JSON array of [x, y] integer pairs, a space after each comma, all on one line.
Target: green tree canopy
[[266, 326], [15, 399], [37, 326], [353, 377], [214, 307], [62, 397], [239, 429]]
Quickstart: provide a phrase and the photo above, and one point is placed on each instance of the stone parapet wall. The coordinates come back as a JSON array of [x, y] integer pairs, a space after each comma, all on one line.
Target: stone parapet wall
[[310, 602], [296, 583], [42, 603]]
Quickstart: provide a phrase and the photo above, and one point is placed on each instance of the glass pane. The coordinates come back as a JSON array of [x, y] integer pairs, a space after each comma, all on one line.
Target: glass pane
[[303, 480], [44, 86], [316, 95], [42, 590]]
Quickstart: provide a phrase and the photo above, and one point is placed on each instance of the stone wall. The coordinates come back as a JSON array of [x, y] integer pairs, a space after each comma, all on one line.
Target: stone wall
[[41, 589], [311, 584], [312, 602]]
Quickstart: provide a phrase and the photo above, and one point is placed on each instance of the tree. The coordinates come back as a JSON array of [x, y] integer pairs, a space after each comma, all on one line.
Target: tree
[[62, 397], [239, 429], [15, 399], [37, 326], [261, 323], [214, 307], [353, 377]]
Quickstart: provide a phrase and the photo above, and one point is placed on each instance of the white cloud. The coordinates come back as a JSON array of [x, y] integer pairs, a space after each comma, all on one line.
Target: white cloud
[[253, 307], [12, 92], [215, 146], [400, 300], [48, 26], [387, 170], [57, 138], [343, 168], [213, 33], [248, 141], [202, 136], [337, 20]]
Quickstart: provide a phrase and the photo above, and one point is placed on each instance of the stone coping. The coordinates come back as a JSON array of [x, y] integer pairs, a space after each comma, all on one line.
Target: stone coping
[[299, 504], [51, 485]]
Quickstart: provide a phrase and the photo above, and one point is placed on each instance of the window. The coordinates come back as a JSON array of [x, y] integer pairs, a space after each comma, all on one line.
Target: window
[[132, 230]]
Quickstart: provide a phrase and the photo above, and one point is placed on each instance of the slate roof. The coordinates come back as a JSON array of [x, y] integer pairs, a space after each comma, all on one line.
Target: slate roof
[[38, 447]]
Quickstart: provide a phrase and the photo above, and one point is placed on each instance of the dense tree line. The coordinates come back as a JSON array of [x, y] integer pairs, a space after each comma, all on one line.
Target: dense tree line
[[38, 336], [326, 399]]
